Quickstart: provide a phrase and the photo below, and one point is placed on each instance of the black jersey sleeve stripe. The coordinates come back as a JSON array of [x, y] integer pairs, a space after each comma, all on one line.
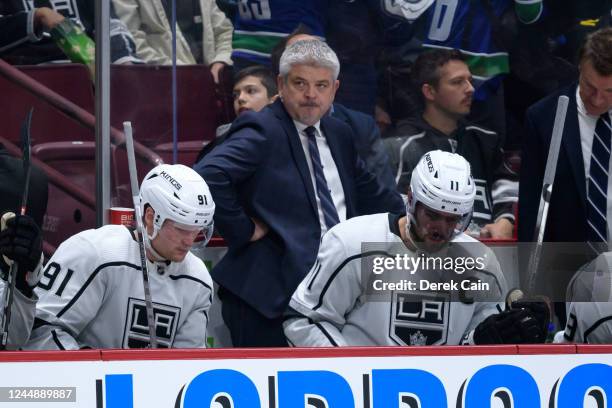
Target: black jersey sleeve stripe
[[58, 343], [325, 332], [177, 277], [291, 313], [90, 279], [594, 327], [339, 268], [314, 276], [39, 322]]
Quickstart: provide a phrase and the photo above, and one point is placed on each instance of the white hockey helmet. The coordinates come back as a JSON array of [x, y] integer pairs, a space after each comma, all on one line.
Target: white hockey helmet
[[443, 182], [178, 193]]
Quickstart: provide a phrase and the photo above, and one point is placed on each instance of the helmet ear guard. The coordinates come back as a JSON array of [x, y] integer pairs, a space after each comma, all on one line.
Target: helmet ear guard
[[178, 193], [442, 181]]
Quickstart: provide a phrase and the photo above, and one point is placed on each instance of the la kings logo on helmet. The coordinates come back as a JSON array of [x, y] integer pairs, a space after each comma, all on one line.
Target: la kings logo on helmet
[[419, 319], [170, 179], [429, 163]]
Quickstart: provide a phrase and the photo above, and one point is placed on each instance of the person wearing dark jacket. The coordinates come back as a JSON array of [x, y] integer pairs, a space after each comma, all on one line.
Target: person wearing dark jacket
[[26, 26], [445, 84], [122, 46]]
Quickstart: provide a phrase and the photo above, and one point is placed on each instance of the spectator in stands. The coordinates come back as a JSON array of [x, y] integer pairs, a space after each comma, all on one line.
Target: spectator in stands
[[353, 32], [477, 28], [82, 12], [255, 89], [365, 132], [283, 177], [444, 83], [345, 25], [203, 33], [23, 26], [260, 25]]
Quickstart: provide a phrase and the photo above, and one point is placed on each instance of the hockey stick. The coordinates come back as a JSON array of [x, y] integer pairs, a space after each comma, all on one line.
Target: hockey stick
[[142, 242], [547, 187], [12, 276]]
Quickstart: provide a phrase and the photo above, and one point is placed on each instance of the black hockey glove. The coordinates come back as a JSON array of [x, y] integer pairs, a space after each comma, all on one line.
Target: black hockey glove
[[539, 310], [515, 326], [21, 241]]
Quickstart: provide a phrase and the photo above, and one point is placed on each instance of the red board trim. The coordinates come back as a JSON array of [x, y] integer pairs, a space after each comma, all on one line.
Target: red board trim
[[276, 353]]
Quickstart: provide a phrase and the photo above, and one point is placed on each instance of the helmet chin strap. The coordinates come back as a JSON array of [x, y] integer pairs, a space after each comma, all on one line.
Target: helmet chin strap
[[408, 230], [410, 208], [155, 231], [150, 239], [155, 254]]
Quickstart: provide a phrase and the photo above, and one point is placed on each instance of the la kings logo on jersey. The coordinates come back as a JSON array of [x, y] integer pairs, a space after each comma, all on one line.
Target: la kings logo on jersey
[[419, 319], [136, 333], [482, 203]]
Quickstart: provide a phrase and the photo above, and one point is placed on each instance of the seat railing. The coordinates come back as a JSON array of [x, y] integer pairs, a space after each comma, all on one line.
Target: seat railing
[[71, 110]]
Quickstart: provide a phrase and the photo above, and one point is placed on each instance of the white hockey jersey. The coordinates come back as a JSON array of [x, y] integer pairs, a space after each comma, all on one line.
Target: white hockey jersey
[[589, 314], [22, 316], [91, 295], [335, 305]]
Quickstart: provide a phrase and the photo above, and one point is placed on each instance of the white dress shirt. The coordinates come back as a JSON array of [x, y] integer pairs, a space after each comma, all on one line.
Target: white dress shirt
[[587, 125], [329, 170]]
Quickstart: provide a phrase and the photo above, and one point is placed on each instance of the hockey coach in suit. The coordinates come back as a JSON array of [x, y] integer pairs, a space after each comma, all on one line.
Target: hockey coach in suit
[[282, 178], [580, 204]]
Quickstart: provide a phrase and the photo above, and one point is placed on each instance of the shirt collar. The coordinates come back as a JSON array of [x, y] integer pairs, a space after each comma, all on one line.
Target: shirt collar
[[579, 103], [300, 127]]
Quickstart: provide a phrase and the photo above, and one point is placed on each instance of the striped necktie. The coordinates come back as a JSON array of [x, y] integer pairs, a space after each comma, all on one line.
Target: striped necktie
[[330, 214], [597, 193]]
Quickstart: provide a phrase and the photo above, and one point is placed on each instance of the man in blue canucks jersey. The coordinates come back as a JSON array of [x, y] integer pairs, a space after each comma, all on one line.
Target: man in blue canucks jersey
[[260, 24], [473, 27]]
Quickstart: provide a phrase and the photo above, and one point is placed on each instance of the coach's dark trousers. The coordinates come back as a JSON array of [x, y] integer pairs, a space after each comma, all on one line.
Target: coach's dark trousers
[[248, 327]]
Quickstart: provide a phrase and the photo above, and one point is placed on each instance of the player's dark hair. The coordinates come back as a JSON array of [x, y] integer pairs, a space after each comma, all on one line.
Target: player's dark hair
[[598, 49], [263, 73], [279, 48]]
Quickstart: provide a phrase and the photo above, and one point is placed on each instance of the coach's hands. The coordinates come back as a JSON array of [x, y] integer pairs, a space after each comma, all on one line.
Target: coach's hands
[[21, 241], [514, 326]]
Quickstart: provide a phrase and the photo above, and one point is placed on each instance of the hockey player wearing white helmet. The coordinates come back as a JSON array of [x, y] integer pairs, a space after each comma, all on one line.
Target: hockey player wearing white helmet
[[91, 293], [337, 304]]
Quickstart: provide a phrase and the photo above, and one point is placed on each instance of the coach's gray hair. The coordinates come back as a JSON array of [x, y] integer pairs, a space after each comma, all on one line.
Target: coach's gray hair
[[309, 52]]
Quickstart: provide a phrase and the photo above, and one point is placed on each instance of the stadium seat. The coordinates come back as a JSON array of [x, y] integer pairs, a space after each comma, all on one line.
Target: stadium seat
[[187, 151], [72, 81], [65, 214], [142, 94]]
